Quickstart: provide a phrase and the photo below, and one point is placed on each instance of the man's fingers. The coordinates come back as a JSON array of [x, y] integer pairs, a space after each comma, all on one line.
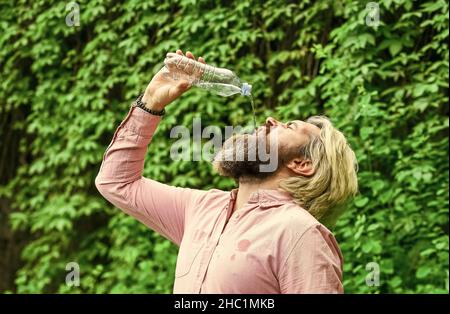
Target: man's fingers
[[190, 67], [190, 55]]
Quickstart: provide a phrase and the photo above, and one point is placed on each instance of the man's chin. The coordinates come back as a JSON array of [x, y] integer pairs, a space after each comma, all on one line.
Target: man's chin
[[240, 157], [239, 170]]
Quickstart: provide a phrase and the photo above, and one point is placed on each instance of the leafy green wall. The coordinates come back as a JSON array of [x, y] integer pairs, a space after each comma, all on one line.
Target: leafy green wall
[[65, 89]]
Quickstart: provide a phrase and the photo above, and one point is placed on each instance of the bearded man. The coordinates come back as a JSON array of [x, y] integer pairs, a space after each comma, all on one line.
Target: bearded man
[[269, 235]]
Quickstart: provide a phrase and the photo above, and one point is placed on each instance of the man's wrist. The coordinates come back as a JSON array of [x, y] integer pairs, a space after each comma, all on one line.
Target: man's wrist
[[149, 104], [140, 103]]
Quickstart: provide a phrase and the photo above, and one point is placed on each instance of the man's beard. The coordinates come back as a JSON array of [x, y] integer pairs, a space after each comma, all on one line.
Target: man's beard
[[245, 157]]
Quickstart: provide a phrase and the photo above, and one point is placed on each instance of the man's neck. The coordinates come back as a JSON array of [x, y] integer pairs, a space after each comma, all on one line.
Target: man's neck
[[248, 186]]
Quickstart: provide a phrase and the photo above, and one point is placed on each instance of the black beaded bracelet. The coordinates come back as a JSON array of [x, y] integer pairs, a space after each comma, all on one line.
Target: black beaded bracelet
[[140, 104]]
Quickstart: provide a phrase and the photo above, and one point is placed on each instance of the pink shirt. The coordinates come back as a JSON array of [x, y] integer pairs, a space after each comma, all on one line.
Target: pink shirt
[[271, 245]]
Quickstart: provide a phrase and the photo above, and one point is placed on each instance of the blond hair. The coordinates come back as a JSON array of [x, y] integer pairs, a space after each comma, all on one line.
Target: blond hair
[[325, 193]]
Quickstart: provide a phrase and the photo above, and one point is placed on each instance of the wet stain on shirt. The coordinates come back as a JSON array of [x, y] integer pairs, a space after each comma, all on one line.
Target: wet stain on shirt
[[243, 245]]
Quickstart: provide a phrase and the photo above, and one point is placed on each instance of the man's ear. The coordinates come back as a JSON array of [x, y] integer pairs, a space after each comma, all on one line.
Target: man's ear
[[303, 167]]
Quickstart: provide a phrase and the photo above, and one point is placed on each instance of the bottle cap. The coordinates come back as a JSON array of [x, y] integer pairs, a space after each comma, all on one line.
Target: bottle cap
[[246, 89]]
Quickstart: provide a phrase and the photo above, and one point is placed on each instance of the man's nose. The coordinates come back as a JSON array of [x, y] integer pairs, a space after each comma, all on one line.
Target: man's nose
[[272, 122]]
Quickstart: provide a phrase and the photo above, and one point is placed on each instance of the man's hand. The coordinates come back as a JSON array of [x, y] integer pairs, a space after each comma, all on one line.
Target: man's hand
[[162, 90]]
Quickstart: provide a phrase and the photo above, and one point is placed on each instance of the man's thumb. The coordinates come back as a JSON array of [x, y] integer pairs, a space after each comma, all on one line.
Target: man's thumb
[[183, 86]]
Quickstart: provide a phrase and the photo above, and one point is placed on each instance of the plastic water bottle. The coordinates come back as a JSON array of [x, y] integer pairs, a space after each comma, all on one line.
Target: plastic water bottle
[[216, 80]]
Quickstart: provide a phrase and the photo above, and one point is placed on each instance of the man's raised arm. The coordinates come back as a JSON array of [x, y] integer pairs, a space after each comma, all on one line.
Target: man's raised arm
[[159, 206]]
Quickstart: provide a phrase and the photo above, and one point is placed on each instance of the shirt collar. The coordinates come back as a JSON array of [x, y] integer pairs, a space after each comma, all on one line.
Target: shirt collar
[[266, 198]]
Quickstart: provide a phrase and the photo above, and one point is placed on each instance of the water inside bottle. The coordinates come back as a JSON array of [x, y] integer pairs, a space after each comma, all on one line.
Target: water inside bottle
[[220, 88]]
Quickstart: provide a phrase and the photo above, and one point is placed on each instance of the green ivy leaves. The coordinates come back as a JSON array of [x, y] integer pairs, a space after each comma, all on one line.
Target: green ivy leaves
[[66, 90]]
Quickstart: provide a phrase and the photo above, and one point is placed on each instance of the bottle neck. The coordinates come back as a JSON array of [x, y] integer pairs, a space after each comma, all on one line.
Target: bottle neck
[[246, 89]]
